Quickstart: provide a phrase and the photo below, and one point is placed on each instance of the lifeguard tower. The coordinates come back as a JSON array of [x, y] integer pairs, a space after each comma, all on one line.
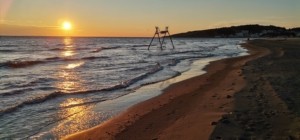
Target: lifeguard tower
[[165, 33]]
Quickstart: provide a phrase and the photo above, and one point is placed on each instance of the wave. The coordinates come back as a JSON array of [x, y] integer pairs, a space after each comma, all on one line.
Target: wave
[[96, 50], [93, 50], [153, 82], [78, 59], [21, 64], [74, 48], [53, 58], [21, 50], [8, 45], [63, 44], [91, 44], [28, 102], [127, 83], [94, 57], [28, 63], [142, 45], [6, 51], [21, 88], [173, 62], [122, 85], [41, 99], [15, 92], [109, 48], [55, 94], [57, 49]]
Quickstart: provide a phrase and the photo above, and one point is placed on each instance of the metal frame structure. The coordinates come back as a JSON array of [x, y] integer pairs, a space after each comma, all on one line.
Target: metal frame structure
[[165, 33]]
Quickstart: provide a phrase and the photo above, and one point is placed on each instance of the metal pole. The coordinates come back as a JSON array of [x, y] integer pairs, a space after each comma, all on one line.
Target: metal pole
[[163, 41], [171, 40], [151, 41], [159, 42]]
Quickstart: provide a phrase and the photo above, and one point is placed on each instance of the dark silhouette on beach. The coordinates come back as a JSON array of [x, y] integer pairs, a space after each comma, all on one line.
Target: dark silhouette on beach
[[165, 33]]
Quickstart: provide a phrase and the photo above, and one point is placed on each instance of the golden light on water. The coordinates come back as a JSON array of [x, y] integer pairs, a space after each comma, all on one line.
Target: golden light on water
[[68, 53], [74, 65], [70, 102], [74, 115], [77, 117], [68, 47], [68, 86], [68, 42], [69, 81]]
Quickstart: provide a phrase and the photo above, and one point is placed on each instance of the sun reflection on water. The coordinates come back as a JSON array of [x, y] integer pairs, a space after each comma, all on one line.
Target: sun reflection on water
[[68, 47], [69, 81], [74, 65], [68, 53], [68, 42], [74, 114], [77, 117]]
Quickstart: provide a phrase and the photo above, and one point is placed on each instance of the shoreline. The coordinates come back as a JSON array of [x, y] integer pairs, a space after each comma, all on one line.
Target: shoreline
[[157, 88], [169, 112]]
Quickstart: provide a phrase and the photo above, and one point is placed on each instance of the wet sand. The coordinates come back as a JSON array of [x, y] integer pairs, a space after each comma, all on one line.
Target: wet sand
[[207, 106]]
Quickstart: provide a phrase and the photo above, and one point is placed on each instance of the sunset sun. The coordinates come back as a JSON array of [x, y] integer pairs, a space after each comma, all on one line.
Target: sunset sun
[[66, 25]]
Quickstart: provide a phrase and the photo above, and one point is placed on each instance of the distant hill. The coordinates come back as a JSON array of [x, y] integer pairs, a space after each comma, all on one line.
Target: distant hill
[[241, 31]]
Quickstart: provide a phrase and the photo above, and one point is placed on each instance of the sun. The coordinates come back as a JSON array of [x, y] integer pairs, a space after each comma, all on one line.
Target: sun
[[66, 25]]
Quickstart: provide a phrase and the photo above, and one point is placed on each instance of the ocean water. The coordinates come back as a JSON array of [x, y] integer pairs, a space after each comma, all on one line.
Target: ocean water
[[49, 87]]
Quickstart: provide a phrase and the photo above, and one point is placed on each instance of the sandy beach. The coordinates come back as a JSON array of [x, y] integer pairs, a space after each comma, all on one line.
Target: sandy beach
[[268, 106], [245, 97]]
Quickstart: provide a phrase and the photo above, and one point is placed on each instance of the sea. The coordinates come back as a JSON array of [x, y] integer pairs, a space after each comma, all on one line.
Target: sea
[[51, 87]]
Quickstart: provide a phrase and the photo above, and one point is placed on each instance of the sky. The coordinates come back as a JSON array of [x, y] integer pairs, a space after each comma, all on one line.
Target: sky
[[137, 18]]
